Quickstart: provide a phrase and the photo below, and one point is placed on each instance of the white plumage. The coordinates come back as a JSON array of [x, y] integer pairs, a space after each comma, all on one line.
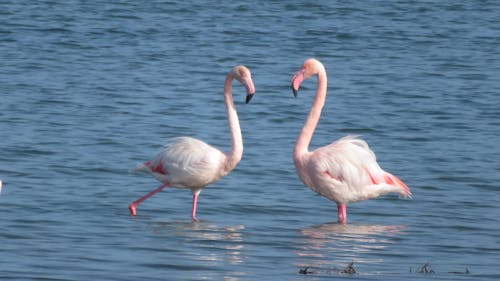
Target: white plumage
[[344, 171], [347, 171], [191, 163]]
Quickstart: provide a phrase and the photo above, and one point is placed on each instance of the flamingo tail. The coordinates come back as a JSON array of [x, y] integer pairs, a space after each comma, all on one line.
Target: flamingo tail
[[149, 167], [142, 168]]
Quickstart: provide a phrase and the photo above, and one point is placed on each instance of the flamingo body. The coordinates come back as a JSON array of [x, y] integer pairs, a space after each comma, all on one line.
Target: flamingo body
[[190, 163], [344, 171], [186, 162], [347, 171]]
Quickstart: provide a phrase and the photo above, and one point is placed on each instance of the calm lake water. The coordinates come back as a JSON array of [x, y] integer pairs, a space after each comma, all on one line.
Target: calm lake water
[[89, 89]]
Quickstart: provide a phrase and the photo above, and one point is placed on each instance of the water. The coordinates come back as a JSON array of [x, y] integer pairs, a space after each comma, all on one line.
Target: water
[[90, 89]]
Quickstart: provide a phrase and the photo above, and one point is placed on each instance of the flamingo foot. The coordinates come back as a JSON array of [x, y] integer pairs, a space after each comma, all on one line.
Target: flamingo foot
[[132, 208]]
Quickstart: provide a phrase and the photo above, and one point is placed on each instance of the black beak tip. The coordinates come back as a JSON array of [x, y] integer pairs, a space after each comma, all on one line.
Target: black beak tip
[[249, 97], [295, 91]]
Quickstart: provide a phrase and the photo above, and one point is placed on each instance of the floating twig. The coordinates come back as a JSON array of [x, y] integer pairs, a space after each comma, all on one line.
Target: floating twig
[[461, 272]]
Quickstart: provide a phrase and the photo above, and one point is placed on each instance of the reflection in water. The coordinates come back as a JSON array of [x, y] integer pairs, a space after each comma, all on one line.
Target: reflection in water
[[333, 243], [229, 239], [209, 245]]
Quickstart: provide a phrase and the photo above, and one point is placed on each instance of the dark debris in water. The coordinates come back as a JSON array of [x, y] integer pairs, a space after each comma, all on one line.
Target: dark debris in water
[[461, 272], [349, 269], [426, 268], [305, 271]]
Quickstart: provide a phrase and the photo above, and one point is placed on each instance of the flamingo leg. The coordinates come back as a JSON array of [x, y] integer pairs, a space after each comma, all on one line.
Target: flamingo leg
[[342, 212], [195, 203], [132, 207]]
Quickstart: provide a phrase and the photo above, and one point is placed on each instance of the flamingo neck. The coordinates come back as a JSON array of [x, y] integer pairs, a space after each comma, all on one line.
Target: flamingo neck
[[234, 156], [305, 136]]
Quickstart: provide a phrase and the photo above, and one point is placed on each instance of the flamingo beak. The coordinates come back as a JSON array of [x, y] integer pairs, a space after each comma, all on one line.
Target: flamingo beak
[[296, 80], [250, 88]]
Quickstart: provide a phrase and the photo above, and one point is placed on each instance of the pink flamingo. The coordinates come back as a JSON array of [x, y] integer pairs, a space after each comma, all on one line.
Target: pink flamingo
[[190, 163], [345, 170]]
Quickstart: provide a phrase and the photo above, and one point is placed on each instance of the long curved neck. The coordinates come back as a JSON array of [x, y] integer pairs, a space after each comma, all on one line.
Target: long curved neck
[[234, 156], [305, 136]]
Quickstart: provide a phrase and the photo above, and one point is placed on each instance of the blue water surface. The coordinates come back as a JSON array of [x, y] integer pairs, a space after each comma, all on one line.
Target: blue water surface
[[89, 89]]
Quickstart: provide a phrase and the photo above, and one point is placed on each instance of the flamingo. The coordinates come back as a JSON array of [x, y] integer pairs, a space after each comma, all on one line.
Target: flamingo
[[344, 171], [190, 163]]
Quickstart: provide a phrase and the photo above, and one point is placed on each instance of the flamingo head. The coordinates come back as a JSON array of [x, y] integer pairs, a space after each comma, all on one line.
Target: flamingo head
[[243, 75], [309, 68]]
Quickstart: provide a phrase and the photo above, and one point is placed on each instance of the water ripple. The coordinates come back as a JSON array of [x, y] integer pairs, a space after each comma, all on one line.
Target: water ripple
[[91, 89]]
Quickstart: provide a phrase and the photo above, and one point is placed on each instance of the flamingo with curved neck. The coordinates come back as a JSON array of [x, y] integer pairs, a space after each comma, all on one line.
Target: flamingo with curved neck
[[189, 163], [344, 171]]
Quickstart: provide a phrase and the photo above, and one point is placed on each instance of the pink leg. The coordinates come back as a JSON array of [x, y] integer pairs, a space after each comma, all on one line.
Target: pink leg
[[341, 208], [195, 203], [132, 207]]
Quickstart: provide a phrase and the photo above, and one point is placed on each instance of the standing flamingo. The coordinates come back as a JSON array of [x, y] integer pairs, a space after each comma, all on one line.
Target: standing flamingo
[[190, 163], [344, 171]]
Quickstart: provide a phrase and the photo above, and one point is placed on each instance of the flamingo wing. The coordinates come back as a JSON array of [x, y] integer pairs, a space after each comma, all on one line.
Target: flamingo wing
[[347, 171]]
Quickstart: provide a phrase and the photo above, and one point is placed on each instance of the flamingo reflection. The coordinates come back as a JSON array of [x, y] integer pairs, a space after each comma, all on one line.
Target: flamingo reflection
[[333, 243], [209, 245]]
